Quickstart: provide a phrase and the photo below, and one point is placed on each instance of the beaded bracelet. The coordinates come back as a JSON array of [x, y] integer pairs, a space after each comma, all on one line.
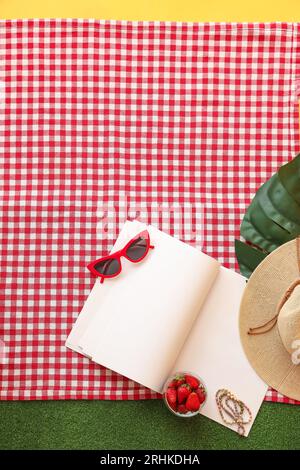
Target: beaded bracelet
[[234, 408]]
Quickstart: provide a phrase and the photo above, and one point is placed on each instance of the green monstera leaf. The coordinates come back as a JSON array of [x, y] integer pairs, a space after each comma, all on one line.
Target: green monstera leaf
[[273, 217], [248, 257]]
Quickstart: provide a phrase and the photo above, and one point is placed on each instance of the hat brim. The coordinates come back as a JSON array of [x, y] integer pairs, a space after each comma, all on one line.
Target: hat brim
[[266, 352]]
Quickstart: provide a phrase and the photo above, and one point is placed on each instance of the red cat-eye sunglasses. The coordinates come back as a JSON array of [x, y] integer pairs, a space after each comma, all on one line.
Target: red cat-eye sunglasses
[[135, 251]]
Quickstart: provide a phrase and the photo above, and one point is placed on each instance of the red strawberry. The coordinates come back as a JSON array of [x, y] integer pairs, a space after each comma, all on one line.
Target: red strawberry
[[174, 407], [183, 392], [178, 380], [192, 402], [201, 394], [172, 384], [171, 397], [182, 409], [192, 381]]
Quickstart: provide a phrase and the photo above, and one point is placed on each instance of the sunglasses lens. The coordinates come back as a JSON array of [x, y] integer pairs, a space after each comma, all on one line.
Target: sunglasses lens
[[108, 267], [137, 249]]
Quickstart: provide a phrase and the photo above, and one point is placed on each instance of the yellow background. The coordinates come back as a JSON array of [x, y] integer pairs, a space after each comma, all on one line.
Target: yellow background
[[177, 10]]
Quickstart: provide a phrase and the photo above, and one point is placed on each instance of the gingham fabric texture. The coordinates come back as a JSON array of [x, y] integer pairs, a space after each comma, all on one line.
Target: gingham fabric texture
[[175, 123]]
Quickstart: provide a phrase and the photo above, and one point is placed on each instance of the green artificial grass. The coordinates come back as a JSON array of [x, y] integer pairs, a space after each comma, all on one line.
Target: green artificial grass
[[136, 425]]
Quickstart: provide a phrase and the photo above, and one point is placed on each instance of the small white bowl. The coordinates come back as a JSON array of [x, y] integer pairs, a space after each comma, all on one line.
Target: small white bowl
[[189, 414]]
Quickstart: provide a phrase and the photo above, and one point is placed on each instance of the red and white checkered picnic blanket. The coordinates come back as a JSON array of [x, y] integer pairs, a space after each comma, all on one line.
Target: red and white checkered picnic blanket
[[104, 119]]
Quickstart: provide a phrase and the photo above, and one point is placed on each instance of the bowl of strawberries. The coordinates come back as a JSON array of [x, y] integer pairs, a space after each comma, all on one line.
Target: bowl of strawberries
[[184, 394]]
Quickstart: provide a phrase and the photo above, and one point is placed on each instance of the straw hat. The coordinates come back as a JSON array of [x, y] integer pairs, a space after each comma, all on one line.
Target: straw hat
[[270, 319]]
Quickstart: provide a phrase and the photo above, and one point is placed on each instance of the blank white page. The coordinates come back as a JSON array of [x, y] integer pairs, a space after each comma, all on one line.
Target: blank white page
[[136, 323], [213, 349]]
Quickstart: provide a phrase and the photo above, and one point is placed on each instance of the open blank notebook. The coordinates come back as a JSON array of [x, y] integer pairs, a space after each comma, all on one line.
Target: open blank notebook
[[176, 310]]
